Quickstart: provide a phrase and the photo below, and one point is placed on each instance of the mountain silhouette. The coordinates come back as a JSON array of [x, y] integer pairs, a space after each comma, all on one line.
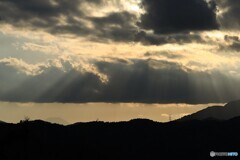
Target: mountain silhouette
[[2, 122], [228, 111], [139, 139]]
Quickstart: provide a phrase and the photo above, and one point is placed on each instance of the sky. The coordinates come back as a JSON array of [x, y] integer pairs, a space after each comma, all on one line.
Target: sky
[[120, 51], [70, 113]]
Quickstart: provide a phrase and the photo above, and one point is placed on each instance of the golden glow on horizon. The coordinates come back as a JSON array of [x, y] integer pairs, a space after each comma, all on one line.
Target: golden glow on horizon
[[14, 112], [207, 55]]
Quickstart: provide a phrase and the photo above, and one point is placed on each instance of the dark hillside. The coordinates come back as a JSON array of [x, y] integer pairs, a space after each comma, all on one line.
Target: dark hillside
[[136, 139]]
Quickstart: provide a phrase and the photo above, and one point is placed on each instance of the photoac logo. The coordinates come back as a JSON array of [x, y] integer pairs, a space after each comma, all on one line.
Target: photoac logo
[[212, 154], [223, 154]]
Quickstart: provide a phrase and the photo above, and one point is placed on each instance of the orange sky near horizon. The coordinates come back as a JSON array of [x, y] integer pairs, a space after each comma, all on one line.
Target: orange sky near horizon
[[108, 112]]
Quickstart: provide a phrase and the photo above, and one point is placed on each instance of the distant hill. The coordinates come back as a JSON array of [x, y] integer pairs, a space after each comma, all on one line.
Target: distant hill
[[2, 122], [230, 110], [215, 128], [138, 139]]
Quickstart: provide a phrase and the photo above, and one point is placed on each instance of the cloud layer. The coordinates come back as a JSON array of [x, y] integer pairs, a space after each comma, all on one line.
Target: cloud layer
[[114, 80], [62, 17], [151, 51], [170, 20]]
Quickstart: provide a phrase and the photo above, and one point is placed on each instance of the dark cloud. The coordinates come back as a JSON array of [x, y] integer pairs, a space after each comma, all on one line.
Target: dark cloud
[[231, 38], [147, 81], [117, 26], [232, 44], [39, 14], [164, 54], [171, 20], [49, 14], [229, 17], [235, 46], [174, 16], [63, 17], [155, 39]]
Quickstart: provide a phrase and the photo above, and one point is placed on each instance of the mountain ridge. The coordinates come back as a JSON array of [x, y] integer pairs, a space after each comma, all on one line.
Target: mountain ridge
[[226, 112]]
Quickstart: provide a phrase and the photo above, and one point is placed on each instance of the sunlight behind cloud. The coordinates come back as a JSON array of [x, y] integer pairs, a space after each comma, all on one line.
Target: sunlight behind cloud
[[108, 6]]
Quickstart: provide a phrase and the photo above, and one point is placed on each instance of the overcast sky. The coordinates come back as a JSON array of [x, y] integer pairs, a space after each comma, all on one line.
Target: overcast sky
[[141, 51]]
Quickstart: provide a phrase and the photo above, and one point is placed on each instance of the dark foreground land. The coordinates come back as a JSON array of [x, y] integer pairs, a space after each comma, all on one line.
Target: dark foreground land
[[134, 140]]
